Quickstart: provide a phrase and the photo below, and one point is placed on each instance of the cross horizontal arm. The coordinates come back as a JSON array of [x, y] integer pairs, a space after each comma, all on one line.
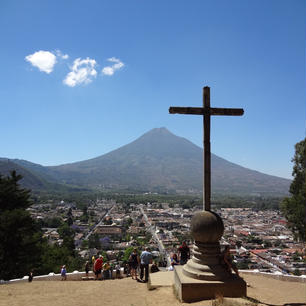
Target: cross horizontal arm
[[186, 110], [202, 111], [227, 111]]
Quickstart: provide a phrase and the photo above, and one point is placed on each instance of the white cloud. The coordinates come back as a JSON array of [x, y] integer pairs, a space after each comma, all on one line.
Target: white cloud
[[82, 71], [43, 60], [110, 70], [61, 55]]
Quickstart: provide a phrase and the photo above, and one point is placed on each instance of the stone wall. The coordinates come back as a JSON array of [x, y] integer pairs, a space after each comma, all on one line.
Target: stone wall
[[77, 276], [284, 277], [74, 276]]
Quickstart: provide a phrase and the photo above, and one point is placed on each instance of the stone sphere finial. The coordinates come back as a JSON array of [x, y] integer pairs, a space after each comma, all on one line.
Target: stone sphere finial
[[207, 227]]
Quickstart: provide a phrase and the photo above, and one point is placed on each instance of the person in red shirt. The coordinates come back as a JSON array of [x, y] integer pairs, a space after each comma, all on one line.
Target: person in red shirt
[[98, 267]]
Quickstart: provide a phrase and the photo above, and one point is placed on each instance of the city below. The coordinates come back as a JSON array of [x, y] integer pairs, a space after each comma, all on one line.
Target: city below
[[259, 240]]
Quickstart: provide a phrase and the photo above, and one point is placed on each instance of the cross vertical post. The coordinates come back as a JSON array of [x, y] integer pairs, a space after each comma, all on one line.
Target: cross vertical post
[[206, 151]]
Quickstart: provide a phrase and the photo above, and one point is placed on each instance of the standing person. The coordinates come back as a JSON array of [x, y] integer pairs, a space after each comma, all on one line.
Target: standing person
[[87, 268], [184, 253], [98, 266], [64, 272], [134, 262], [93, 264], [30, 276], [145, 260]]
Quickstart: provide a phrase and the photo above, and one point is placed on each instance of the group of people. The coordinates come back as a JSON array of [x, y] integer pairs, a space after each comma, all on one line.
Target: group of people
[[142, 262], [102, 270], [184, 255]]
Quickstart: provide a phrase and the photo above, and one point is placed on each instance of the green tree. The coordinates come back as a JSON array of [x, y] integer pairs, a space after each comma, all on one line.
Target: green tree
[[20, 236], [84, 217], [84, 245], [65, 231], [67, 234], [293, 207], [55, 256], [94, 241], [51, 222], [297, 272], [69, 217], [127, 252], [22, 247]]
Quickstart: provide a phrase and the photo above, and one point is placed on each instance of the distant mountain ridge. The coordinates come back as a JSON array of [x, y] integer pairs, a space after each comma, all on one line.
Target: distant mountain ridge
[[32, 179], [160, 161]]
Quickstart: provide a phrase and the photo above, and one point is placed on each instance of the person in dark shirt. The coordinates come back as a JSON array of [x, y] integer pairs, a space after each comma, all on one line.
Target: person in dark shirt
[[87, 268], [134, 262], [154, 268], [30, 277], [184, 252]]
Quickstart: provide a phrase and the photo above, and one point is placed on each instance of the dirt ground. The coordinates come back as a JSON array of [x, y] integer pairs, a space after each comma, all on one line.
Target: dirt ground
[[275, 292], [127, 292]]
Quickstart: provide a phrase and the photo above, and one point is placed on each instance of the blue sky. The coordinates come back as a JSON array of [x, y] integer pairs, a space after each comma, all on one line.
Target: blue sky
[[81, 78]]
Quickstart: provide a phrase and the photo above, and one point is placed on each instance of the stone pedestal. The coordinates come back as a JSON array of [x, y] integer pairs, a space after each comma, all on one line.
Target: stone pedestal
[[205, 276], [192, 290]]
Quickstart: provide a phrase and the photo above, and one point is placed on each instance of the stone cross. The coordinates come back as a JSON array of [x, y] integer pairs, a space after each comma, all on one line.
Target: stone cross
[[206, 111]]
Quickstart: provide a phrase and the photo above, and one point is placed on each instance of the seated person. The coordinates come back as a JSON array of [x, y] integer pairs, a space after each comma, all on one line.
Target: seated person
[[174, 260], [106, 270], [117, 268], [227, 259], [154, 268]]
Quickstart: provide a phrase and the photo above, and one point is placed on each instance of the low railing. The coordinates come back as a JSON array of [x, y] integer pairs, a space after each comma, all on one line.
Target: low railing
[[78, 276], [284, 277], [74, 276]]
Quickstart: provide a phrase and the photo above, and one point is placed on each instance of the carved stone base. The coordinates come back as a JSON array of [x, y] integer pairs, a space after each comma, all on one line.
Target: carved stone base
[[206, 263], [191, 290], [205, 276]]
